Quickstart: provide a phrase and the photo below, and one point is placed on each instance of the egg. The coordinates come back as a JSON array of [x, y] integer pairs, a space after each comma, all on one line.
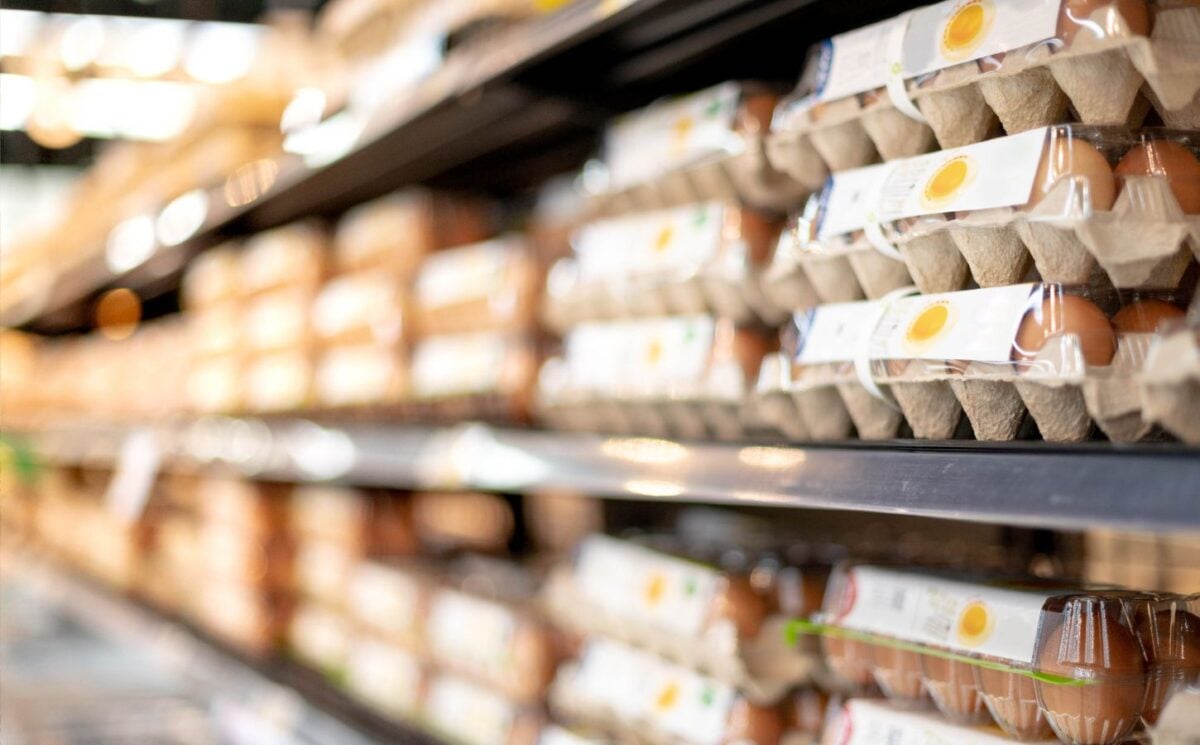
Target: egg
[[799, 591], [533, 661], [754, 115], [1012, 699], [739, 603], [1171, 639], [951, 685], [1074, 157], [1060, 315], [1088, 643], [1171, 160], [1144, 316], [752, 724], [805, 710], [1098, 19], [848, 659], [898, 672]]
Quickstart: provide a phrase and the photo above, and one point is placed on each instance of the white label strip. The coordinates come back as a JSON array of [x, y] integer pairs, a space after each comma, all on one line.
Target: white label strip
[[956, 31], [832, 333], [851, 197], [975, 325], [995, 173], [854, 62], [645, 586], [469, 632], [964, 617]]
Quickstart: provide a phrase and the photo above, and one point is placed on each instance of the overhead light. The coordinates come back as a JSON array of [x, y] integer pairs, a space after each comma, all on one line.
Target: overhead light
[[130, 244], [222, 52]]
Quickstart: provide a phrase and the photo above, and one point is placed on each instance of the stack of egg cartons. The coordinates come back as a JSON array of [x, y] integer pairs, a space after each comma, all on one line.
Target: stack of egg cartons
[[1017, 278], [661, 303], [335, 529]]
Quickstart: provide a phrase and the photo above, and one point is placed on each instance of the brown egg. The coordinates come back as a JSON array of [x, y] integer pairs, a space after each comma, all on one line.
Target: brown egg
[[1171, 639], [1098, 19], [753, 724], [799, 591], [805, 710], [1171, 160], [848, 659], [991, 63], [1013, 702], [1144, 316], [1079, 158], [533, 661], [754, 115], [898, 672], [951, 685], [737, 601], [1062, 314], [1088, 643]]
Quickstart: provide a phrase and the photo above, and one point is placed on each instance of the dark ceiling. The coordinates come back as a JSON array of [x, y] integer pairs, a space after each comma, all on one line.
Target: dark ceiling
[[246, 11]]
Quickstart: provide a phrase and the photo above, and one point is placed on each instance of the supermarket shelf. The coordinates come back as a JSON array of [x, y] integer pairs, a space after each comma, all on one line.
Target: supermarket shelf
[[503, 116], [1149, 487], [250, 701]]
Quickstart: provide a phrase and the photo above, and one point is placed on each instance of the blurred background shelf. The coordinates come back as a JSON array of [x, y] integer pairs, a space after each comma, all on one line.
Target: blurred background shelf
[[88, 665], [526, 105], [1034, 485]]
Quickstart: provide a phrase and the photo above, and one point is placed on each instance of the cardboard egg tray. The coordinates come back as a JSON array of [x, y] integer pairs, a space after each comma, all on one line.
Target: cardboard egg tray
[[1145, 241], [1104, 689], [762, 668], [746, 177], [1102, 80], [1169, 383], [833, 272]]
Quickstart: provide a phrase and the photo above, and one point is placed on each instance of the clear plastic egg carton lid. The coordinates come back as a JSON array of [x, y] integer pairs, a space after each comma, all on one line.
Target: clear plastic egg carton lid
[[1039, 659], [1058, 203]]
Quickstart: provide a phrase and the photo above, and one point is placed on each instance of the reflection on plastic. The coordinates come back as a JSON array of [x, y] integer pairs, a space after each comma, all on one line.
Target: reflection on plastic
[[130, 244], [645, 450], [250, 182], [654, 488], [180, 219], [771, 459]]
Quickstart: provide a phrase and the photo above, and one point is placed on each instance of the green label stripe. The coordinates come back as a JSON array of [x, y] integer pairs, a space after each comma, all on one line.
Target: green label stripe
[[803, 627]]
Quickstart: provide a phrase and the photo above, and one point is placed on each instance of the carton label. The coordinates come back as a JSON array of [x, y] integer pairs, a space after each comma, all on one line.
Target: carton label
[[277, 319], [956, 31], [995, 173], [645, 586], [384, 674], [683, 240], [866, 722], [850, 199], [349, 303], [384, 598], [671, 351], [348, 375], [463, 274], [468, 631], [835, 332], [469, 713], [672, 133], [642, 688], [552, 734], [459, 364], [856, 61], [974, 325], [320, 636], [963, 617]]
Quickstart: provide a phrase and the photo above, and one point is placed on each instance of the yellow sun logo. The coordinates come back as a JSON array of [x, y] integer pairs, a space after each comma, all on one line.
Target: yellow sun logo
[[654, 352], [667, 697], [929, 324], [966, 28], [655, 589], [948, 181], [682, 131], [664, 238], [975, 623]]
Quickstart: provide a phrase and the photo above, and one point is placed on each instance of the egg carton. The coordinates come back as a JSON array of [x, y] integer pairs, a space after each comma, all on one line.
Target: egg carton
[[1133, 652], [1169, 383], [1146, 239], [1100, 79], [847, 268], [745, 177], [762, 668]]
